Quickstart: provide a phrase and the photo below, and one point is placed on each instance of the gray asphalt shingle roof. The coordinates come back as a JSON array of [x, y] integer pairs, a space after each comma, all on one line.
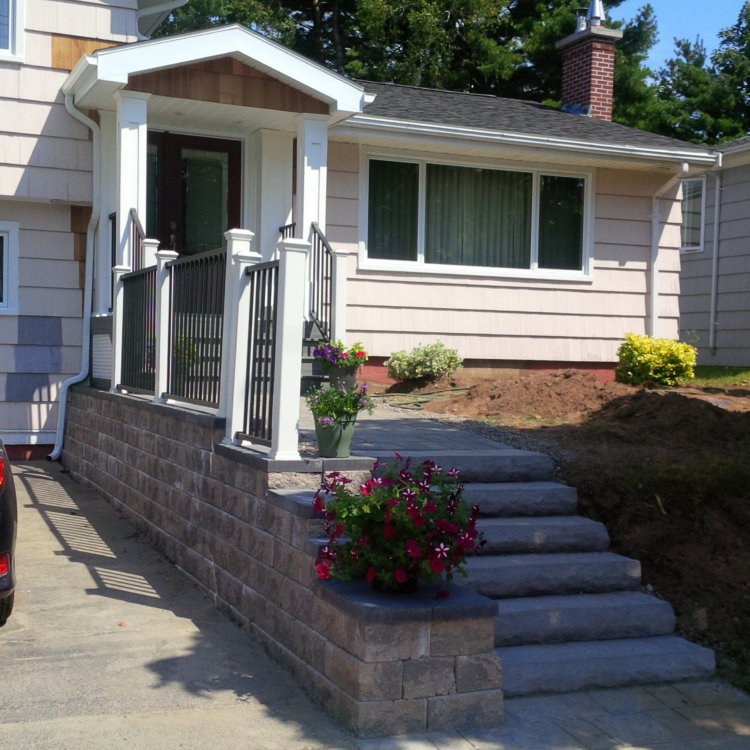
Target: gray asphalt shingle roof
[[507, 115], [738, 143]]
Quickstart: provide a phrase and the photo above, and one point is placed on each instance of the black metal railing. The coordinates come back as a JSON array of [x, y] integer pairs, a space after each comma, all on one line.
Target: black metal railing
[[195, 327], [137, 235], [261, 352], [139, 330], [321, 282], [287, 231]]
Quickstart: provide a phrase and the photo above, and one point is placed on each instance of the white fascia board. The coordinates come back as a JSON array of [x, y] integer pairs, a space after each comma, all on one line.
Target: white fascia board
[[362, 124], [116, 64]]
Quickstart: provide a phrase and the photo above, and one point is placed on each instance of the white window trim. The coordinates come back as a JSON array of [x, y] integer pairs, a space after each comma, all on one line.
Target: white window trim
[[15, 52], [419, 265], [701, 246], [10, 232]]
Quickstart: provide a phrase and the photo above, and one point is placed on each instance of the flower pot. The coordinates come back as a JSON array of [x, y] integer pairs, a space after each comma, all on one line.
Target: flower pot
[[394, 587], [335, 440], [346, 375]]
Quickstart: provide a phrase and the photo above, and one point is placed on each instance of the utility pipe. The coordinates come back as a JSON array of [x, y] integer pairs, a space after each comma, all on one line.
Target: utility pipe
[[653, 315], [89, 277], [715, 258]]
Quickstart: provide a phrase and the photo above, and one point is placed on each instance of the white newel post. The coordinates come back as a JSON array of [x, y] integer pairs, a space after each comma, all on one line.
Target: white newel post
[[163, 296], [117, 310], [312, 173], [338, 295], [236, 333], [288, 361], [150, 248]]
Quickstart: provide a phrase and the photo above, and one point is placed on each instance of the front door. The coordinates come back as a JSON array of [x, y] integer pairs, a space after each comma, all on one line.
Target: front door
[[194, 190]]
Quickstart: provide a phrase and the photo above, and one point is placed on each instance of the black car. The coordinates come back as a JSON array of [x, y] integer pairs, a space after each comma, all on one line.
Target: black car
[[8, 522]]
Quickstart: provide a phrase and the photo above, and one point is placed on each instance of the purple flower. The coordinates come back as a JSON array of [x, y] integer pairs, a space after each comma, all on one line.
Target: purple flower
[[326, 421]]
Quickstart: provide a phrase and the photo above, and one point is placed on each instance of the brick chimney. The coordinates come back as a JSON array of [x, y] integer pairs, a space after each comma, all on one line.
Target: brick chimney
[[589, 64]]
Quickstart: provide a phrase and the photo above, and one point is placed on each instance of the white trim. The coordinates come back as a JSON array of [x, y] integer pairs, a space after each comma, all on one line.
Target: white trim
[[38, 437], [10, 233], [365, 263], [361, 124], [700, 247], [116, 64], [14, 52]]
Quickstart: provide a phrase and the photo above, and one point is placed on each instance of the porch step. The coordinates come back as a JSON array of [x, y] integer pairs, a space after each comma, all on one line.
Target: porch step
[[577, 666], [522, 498], [566, 573], [501, 465], [507, 536], [581, 617]]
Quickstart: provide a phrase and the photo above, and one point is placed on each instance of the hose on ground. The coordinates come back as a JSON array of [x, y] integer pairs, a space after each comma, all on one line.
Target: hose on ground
[[416, 402]]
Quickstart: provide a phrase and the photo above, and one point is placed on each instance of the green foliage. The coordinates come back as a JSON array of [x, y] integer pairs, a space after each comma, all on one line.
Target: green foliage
[[339, 403], [712, 376], [430, 362], [643, 359], [409, 524]]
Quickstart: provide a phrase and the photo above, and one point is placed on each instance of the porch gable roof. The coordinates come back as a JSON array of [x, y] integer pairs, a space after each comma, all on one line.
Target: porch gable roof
[[97, 76]]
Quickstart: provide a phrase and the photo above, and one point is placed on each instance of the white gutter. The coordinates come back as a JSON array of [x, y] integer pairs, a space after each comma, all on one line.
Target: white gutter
[[715, 259], [89, 278], [653, 313], [359, 124]]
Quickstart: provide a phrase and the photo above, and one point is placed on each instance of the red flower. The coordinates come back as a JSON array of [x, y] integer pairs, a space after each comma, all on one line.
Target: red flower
[[401, 575], [361, 354], [389, 531], [430, 506], [412, 548], [345, 355], [371, 573], [318, 504], [324, 570], [437, 565]]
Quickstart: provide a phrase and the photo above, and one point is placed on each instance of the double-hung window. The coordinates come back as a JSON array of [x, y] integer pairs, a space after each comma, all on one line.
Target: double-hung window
[[8, 267], [11, 29], [447, 217], [693, 206]]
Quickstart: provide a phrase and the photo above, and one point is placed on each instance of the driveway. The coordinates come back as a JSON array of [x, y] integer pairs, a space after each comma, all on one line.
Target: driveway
[[112, 647]]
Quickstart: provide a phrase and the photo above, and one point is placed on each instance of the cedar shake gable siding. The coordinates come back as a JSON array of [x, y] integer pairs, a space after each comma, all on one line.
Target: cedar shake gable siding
[[226, 81]]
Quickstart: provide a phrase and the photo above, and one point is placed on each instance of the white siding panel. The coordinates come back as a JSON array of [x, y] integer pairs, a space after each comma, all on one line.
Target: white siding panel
[[31, 118], [58, 302], [21, 417], [59, 274]]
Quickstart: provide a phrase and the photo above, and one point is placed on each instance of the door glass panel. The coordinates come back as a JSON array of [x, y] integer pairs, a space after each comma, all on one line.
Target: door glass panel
[[206, 190]]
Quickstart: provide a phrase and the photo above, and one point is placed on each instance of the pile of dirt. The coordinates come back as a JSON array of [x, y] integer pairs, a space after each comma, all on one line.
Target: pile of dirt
[[668, 473]]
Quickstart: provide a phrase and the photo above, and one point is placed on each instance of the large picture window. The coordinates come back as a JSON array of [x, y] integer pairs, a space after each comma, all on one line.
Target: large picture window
[[447, 215], [692, 214]]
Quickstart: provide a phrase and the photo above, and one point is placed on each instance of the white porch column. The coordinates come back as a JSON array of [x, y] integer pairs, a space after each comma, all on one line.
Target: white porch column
[[338, 295], [117, 310], [312, 173], [163, 295], [131, 121], [288, 361], [235, 334], [108, 202], [273, 172]]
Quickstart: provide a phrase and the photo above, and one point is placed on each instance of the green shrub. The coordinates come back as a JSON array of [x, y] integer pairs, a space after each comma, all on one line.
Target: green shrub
[[430, 362], [643, 359]]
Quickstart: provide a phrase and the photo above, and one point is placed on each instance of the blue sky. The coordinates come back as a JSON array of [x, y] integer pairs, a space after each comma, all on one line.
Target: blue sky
[[682, 19]]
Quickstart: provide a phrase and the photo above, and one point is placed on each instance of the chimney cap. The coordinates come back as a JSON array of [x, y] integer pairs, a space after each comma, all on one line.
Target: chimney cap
[[596, 14]]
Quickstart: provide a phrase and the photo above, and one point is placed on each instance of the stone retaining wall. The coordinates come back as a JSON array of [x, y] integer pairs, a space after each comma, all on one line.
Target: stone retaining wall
[[382, 664]]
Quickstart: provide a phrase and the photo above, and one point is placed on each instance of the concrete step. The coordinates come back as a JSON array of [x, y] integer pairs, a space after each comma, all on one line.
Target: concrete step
[[507, 536], [593, 664], [564, 573], [522, 498], [495, 465], [581, 617]]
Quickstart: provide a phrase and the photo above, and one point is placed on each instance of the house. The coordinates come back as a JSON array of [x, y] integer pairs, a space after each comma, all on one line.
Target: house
[[519, 234], [715, 277]]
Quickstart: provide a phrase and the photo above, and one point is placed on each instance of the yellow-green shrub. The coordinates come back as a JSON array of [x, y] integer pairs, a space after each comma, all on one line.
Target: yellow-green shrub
[[644, 359]]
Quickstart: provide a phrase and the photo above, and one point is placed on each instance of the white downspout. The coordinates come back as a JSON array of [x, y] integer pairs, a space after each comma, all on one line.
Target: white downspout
[[653, 314], [89, 278], [715, 259]]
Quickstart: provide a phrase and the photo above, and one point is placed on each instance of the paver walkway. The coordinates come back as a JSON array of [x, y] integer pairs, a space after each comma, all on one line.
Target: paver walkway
[[112, 647]]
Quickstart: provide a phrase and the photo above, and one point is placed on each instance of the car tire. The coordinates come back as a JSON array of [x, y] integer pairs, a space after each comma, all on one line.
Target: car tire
[[6, 607]]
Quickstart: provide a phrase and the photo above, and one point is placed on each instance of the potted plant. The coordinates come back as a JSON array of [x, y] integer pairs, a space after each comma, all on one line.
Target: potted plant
[[335, 412], [340, 362], [405, 526]]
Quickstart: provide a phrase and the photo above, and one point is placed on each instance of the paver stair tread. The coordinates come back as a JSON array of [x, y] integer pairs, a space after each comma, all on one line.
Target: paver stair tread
[[521, 498], [581, 617], [558, 573], [578, 666], [542, 534]]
